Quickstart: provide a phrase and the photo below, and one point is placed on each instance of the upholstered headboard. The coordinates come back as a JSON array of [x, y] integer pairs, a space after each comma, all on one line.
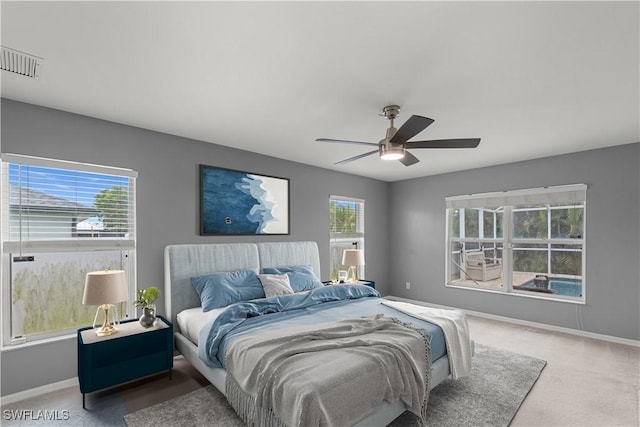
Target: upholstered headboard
[[283, 254], [182, 262]]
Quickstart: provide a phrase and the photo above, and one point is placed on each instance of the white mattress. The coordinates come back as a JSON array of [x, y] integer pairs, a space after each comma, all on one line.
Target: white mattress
[[191, 321]]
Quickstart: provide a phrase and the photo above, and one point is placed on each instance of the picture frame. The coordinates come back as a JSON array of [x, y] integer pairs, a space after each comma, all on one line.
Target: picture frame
[[234, 202]]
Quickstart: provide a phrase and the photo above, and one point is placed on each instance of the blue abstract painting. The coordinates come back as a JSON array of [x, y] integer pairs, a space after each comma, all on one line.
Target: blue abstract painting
[[236, 202]]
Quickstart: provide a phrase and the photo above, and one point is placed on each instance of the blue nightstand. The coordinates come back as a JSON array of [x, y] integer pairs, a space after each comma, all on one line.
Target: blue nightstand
[[131, 353]]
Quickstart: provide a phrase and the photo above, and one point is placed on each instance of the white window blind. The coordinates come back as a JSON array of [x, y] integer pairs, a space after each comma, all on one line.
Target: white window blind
[[54, 201], [574, 193]]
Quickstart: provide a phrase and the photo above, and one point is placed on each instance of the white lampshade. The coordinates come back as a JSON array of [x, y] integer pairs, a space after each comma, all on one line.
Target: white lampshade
[[353, 257], [105, 287]]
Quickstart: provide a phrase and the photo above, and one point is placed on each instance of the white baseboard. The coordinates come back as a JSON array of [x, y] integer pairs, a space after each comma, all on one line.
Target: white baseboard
[[585, 334], [37, 391]]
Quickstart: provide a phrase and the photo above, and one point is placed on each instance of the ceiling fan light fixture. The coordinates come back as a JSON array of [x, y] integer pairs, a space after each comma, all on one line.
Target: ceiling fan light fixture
[[391, 152]]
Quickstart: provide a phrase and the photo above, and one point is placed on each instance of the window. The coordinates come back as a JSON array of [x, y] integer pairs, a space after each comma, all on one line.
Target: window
[[527, 242], [60, 220], [346, 224]]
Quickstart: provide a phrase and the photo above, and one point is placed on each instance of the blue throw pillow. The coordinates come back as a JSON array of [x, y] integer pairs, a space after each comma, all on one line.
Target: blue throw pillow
[[221, 289], [301, 277]]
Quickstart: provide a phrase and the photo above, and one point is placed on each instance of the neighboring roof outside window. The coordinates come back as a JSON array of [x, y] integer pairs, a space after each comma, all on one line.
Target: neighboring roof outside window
[[38, 201]]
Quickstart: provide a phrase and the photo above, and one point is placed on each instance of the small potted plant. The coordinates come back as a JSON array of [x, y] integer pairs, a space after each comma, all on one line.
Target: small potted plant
[[146, 299]]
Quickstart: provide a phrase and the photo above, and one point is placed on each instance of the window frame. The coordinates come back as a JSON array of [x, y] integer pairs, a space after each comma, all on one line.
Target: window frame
[[511, 201], [339, 237], [72, 244]]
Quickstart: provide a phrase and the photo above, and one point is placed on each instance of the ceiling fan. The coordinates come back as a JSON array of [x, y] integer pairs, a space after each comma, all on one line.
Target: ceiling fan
[[395, 144]]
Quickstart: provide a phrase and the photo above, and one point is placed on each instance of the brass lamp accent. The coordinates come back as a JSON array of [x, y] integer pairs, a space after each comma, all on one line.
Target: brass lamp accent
[[105, 288], [353, 258]]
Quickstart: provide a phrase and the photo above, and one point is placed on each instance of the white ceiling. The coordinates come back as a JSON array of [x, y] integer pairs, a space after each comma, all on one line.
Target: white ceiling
[[532, 79]]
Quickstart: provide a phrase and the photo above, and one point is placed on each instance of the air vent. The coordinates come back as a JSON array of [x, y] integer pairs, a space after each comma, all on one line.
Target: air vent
[[15, 61]]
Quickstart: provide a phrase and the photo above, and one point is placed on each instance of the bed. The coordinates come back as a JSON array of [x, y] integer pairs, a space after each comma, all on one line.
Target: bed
[[192, 325]]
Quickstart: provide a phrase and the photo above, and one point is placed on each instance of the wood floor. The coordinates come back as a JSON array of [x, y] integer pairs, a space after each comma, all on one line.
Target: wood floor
[[586, 382]]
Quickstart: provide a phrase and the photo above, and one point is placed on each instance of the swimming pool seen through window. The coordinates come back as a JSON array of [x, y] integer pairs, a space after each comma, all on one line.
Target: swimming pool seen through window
[[525, 242]]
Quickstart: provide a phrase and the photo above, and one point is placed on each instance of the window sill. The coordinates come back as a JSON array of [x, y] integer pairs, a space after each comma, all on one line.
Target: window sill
[[524, 294], [35, 343]]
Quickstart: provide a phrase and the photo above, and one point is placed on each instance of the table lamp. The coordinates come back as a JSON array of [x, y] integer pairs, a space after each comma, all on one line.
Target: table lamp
[[353, 258], [105, 288]]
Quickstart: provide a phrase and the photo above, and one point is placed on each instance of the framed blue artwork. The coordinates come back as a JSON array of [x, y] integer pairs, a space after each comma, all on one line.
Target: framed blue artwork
[[236, 202]]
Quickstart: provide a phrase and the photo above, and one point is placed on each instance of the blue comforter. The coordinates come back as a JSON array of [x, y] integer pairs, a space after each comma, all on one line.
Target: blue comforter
[[325, 304]]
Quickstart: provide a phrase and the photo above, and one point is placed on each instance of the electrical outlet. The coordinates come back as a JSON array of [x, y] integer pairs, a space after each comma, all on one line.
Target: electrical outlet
[[408, 285]]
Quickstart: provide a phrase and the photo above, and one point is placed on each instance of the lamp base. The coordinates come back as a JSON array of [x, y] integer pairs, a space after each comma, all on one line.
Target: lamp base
[[107, 328], [352, 276]]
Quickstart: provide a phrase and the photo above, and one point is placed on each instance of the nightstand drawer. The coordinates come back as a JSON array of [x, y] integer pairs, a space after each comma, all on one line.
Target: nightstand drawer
[[128, 348], [125, 370]]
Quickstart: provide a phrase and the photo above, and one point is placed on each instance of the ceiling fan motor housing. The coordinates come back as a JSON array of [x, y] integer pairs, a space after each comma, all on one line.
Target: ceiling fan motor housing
[[389, 150]]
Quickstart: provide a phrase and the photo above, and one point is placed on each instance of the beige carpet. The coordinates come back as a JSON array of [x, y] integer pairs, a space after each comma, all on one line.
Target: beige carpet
[[499, 383]]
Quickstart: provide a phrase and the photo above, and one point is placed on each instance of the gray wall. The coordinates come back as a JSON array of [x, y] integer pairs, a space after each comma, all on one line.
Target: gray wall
[[410, 249], [612, 232], [168, 203]]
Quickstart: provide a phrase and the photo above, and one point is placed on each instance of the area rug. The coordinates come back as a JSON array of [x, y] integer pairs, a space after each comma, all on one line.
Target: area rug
[[499, 383]]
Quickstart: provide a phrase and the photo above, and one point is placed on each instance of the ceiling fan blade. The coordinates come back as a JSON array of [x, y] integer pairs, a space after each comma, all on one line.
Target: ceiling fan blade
[[445, 143], [359, 156], [408, 159], [413, 126], [343, 141]]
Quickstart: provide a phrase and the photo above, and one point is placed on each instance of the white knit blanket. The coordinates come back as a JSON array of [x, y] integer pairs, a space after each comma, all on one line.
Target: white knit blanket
[[456, 333]]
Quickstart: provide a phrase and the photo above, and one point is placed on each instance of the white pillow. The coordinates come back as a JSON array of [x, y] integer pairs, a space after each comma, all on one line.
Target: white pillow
[[275, 284]]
